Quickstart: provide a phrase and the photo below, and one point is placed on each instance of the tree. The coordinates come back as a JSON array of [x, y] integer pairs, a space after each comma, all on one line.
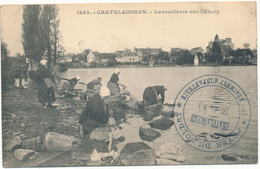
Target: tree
[[41, 33], [111, 62], [145, 58], [246, 46], [217, 54], [50, 31], [241, 55], [7, 74], [111, 59], [4, 50], [164, 56], [4, 56], [31, 36], [184, 56], [254, 53]]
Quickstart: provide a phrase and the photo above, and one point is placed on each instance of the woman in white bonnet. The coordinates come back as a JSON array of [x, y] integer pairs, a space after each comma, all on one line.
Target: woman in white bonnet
[[45, 85], [94, 114], [113, 83]]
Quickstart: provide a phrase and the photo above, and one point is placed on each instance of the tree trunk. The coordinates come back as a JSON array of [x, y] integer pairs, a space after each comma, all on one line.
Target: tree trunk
[[49, 46], [55, 50]]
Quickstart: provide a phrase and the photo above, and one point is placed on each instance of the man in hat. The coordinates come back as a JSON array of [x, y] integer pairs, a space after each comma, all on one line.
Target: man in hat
[[46, 83], [113, 83], [94, 114], [154, 95]]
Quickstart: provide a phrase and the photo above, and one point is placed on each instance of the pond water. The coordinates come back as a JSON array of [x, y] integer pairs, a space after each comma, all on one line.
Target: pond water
[[175, 78]]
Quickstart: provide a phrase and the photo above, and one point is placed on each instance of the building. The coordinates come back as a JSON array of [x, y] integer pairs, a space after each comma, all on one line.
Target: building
[[132, 57], [223, 47], [175, 50], [120, 53], [146, 53], [174, 53], [97, 57], [225, 44], [196, 60], [199, 52], [196, 50], [90, 57]]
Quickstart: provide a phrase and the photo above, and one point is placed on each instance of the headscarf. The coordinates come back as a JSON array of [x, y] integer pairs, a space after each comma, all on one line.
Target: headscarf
[[117, 71], [78, 78], [104, 91], [43, 62]]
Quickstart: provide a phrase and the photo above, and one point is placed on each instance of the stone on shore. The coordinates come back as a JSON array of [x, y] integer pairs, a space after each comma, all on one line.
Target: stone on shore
[[149, 115], [14, 144], [129, 113], [130, 104], [100, 133], [167, 111], [58, 142], [163, 123], [33, 144], [34, 156], [147, 133], [137, 153], [23, 154], [171, 151]]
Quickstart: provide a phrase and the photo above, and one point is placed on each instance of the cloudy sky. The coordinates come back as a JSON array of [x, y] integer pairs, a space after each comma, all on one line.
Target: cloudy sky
[[111, 32]]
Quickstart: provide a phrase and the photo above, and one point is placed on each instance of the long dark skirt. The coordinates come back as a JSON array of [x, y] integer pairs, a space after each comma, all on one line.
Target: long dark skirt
[[45, 94]]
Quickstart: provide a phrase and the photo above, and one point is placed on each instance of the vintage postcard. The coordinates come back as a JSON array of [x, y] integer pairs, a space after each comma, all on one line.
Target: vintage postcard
[[129, 84]]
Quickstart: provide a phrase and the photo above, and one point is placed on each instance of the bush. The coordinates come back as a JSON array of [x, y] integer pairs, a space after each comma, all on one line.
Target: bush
[[111, 62]]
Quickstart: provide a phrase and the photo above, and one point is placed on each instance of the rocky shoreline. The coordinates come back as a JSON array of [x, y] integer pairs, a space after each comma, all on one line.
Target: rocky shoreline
[[34, 136]]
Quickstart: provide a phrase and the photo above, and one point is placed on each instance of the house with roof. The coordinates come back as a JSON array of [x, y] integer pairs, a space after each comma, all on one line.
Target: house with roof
[[196, 60], [226, 44], [90, 57], [173, 50], [196, 50], [120, 53], [174, 53], [131, 57], [147, 53], [199, 52]]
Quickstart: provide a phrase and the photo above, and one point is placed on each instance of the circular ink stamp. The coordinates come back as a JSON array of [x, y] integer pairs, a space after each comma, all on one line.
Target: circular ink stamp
[[212, 113]]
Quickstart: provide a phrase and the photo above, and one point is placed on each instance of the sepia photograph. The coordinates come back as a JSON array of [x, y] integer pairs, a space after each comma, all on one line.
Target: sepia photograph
[[129, 84]]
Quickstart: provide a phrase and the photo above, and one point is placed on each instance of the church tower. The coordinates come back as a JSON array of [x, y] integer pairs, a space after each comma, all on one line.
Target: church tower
[[216, 38]]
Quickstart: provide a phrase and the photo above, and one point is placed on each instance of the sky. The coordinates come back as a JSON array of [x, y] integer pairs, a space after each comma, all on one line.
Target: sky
[[111, 32]]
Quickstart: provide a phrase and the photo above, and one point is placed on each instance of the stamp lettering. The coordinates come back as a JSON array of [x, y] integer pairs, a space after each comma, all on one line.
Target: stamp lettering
[[212, 113]]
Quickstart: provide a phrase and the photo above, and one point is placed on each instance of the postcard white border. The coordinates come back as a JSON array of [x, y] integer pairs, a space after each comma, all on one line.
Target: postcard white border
[[240, 166]]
